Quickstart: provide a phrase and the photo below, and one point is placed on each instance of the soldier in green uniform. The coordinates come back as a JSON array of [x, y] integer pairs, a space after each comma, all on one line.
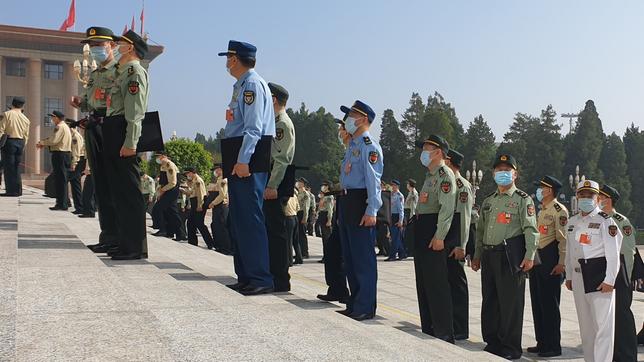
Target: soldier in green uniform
[[460, 236], [94, 100], [625, 338], [435, 212], [128, 101], [506, 214], [282, 152]]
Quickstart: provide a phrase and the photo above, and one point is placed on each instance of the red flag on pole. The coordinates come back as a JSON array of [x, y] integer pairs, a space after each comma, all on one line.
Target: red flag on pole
[[71, 17], [132, 27], [142, 17], [125, 29]]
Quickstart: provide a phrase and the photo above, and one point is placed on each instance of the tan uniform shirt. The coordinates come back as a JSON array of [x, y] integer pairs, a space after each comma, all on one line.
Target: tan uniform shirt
[[15, 124], [171, 171], [78, 147], [292, 206], [221, 186], [197, 188], [60, 140], [551, 222]]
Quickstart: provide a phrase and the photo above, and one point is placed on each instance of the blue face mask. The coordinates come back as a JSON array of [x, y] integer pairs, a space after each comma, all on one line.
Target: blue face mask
[[503, 178], [586, 205], [158, 160], [350, 125], [99, 53], [539, 194], [117, 54], [426, 158]]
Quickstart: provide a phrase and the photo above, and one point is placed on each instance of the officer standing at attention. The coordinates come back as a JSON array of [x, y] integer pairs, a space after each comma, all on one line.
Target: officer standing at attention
[[411, 202], [435, 212], [15, 125], [546, 278], [148, 188], [455, 261], [625, 332], [397, 219], [282, 152], [165, 211], [251, 116], [505, 214], [357, 208], [78, 165], [325, 216], [60, 146], [219, 207], [94, 100], [126, 106], [197, 210], [593, 242], [304, 199]]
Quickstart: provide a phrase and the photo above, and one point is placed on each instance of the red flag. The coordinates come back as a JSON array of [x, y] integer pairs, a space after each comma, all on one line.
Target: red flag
[[132, 27], [125, 29], [71, 17], [142, 17]]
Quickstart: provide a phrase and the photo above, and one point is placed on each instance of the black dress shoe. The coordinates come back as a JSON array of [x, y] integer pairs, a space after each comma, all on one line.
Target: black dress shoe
[[549, 354], [251, 290], [390, 259], [534, 349], [86, 216], [403, 258], [331, 298], [344, 312], [282, 290], [461, 337], [77, 212], [101, 249], [58, 208], [112, 251], [92, 246], [361, 317], [130, 256], [9, 195], [237, 286], [161, 233], [495, 350], [640, 337]]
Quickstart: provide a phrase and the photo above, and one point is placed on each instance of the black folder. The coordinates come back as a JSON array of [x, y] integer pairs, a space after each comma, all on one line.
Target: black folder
[[593, 271], [260, 161], [151, 137], [384, 213], [453, 237], [638, 266], [515, 253]]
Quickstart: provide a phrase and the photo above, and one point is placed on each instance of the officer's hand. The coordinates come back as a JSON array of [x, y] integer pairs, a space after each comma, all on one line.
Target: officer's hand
[[127, 152], [437, 245], [569, 284], [75, 101], [199, 209], [605, 288], [457, 253], [368, 221], [270, 194], [210, 206], [558, 269], [527, 264], [476, 264], [303, 222], [399, 224], [241, 170]]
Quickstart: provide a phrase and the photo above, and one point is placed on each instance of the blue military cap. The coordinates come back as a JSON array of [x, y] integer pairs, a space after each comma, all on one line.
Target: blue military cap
[[240, 49], [362, 108], [395, 182]]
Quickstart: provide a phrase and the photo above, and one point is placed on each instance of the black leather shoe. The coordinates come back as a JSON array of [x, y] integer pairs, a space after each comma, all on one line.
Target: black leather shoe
[[112, 251], [251, 290], [640, 337], [9, 195], [505, 354], [131, 256], [92, 246], [58, 208], [534, 349], [361, 317], [77, 212], [390, 259], [282, 290], [237, 286], [161, 233], [549, 354], [86, 216], [330, 298], [461, 337], [101, 249], [344, 312], [403, 258], [495, 350]]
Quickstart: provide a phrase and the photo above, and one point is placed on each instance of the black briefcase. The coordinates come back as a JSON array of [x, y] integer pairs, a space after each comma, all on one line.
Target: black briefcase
[[593, 271], [260, 161], [287, 186], [515, 253], [151, 136], [384, 213]]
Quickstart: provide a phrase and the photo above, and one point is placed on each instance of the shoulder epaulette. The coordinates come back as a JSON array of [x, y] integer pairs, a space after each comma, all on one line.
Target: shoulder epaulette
[[367, 140], [557, 207], [604, 215], [441, 171], [459, 183], [130, 70], [618, 217], [522, 194]]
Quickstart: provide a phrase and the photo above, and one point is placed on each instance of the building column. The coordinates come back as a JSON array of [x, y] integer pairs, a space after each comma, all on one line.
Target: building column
[[2, 95], [71, 89], [33, 110]]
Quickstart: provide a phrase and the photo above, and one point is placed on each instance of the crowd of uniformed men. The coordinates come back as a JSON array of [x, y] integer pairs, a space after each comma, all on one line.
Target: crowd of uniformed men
[[262, 215]]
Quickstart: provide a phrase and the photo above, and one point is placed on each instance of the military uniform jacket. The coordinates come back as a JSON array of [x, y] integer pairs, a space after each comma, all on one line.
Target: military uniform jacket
[[147, 185], [411, 202], [282, 148], [593, 236], [326, 205], [311, 201], [197, 187], [292, 206], [464, 202], [397, 207], [221, 186], [14, 124], [505, 215], [628, 240], [98, 88], [551, 222], [129, 98], [437, 196], [304, 201], [60, 140], [78, 146], [362, 169], [171, 171]]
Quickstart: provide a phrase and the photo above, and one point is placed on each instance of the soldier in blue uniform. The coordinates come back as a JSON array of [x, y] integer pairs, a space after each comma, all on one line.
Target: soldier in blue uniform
[[357, 207], [250, 115], [397, 218]]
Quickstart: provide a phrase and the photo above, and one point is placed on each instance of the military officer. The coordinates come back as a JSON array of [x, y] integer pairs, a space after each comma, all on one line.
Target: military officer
[[360, 178], [310, 225], [282, 152], [219, 207], [148, 189], [325, 216], [15, 125], [251, 117], [60, 146], [506, 215], [304, 200], [78, 165], [397, 219], [593, 242], [165, 210], [94, 100], [459, 238], [411, 202], [197, 197], [434, 216], [625, 337], [546, 278]]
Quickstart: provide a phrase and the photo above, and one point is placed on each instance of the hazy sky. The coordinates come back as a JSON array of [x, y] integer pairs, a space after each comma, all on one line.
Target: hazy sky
[[493, 58]]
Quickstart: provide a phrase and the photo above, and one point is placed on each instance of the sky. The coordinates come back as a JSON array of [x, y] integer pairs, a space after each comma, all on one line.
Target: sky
[[494, 58]]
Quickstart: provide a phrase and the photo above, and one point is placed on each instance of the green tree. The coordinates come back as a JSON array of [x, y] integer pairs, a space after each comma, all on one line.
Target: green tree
[[586, 143], [394, 148], [480, 146], [634, 147], [184, 152], [412, 119], [454, 133], [516, 143], [612, 163], [545, 147]]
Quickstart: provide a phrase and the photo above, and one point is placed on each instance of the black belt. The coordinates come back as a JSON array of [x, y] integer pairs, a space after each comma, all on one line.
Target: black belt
[[12, 138], [60, 151], [499, 247]]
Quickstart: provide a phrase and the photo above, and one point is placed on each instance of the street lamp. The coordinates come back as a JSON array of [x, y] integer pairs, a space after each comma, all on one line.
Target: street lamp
[[474, 177], [84, 69], [574, 181]]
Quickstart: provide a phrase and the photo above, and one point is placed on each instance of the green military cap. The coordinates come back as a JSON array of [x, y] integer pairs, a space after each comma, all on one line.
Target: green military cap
[[610, 191], [278, 92], [455, 157], [505, 159], [140, 46], [411, 182], [160, 153], [435, 140], [549, 181], [98, 34]]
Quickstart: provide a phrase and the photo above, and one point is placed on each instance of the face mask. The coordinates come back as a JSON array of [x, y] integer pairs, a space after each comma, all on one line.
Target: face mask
[[340, 138], [117, 54], [602, 204], [350, 125], [426, 158], [539, 194], [325, 188], [158, 160], [587, 205], [503, 178], [99, 53]]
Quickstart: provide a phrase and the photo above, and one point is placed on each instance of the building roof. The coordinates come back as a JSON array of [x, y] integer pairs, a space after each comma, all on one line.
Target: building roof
[[18, 37]]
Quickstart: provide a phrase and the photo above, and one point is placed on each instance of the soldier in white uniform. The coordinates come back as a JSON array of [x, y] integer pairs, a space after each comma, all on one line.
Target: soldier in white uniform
[[593, 240]]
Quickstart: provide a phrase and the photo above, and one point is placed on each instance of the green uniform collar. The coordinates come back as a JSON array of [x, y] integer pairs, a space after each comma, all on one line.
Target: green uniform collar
[[435, 169], [508, 192], [122, 67]]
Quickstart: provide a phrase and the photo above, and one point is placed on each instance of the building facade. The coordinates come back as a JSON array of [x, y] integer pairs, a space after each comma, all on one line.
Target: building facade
[[38, 64]]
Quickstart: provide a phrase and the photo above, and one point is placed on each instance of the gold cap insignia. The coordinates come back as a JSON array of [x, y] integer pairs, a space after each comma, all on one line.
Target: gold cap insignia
[[504, 158], [92, 31], [587, 184]]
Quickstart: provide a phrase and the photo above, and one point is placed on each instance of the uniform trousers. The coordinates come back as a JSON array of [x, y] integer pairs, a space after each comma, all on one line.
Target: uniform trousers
[[75, 183], [61, 162], [397, 246], [334, 274], [545, 295], [219, 227], [278, 245], [11, 160], [196, 222]]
